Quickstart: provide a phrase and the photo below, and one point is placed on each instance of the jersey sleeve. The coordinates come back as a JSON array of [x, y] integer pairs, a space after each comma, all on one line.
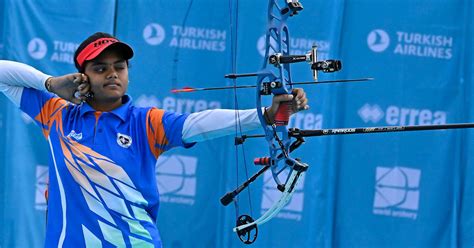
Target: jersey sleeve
[[42, 107], [164, 130]]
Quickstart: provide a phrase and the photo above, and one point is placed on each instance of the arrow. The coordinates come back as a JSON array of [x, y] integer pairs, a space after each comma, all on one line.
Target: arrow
[[191, 89]]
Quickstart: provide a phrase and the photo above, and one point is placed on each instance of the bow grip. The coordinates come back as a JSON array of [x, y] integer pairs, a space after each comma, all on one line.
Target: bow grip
[[283, 113]]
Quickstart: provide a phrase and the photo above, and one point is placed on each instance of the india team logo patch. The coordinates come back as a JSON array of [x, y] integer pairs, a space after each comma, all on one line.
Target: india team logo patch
[[123, 140]]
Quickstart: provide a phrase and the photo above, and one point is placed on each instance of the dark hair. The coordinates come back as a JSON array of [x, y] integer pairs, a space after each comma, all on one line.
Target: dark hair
[[127, 54]]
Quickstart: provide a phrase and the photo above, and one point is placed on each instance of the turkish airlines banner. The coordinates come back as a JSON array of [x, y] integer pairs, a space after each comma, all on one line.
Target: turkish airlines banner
[[379, 190]]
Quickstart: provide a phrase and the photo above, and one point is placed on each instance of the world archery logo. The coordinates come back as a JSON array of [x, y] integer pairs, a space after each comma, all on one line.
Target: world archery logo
[[154, 34], [378, 40], [397, 192], [294, 209], [37, 48], [176, 179]]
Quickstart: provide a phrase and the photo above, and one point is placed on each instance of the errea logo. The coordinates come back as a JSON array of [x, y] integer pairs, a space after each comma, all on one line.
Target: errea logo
[[371, 113], [37, 48], [154, 34], [397, 115], [378, 40]]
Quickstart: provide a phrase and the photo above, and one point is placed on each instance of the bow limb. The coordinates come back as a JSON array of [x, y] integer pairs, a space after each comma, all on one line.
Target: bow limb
[[290, 187]]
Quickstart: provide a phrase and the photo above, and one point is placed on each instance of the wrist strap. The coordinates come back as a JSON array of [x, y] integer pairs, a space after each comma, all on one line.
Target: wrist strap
[[47, 84]]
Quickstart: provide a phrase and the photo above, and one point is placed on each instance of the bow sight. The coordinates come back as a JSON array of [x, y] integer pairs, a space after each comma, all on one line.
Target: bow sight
[[311, 57]]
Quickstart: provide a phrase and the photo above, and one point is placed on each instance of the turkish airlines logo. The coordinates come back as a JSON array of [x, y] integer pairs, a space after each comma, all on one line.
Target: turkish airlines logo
[[37, 48], [176, 178], [298, 45], [397, 192], [154, 34], [378, 40], [371, 113]]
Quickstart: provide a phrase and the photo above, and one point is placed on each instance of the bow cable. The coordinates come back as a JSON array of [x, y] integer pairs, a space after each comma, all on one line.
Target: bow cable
[[234, 22]]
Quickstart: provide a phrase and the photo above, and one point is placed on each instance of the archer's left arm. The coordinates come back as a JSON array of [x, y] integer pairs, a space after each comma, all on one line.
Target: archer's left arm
[[215, 123]]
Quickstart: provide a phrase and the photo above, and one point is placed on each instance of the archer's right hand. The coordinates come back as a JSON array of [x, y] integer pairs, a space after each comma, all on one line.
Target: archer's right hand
[[66, 87]]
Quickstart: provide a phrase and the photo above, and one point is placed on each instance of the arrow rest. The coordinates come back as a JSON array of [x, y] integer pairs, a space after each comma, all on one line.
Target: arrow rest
[[249, 234]]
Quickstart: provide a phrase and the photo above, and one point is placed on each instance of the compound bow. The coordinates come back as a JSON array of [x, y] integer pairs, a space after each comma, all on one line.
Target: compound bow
[[274, 78]]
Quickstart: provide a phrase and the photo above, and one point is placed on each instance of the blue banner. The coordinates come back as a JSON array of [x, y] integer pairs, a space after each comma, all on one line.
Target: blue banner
[[381, 190], [465, 223], [176, 47], [393, 181], [2, 30]]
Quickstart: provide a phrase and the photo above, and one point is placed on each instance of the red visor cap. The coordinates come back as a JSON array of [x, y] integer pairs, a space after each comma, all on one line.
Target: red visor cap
[[95, 48]]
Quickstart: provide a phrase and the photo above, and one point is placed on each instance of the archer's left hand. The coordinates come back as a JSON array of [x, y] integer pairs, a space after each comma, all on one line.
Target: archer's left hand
[[298, 97]]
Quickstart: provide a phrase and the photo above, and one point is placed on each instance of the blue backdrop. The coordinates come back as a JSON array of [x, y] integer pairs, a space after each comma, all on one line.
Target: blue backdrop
[[383, 190]]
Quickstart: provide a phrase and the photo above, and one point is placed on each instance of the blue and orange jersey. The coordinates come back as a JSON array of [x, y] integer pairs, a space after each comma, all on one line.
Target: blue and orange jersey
[[102, 186]]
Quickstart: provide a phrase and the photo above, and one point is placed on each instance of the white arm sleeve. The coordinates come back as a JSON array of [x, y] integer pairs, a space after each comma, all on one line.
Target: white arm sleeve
[[15, 76], [216, 123]]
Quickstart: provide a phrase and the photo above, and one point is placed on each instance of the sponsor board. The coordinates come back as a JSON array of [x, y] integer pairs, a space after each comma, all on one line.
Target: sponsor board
[[62, 51], [416, 44], [186, 37]]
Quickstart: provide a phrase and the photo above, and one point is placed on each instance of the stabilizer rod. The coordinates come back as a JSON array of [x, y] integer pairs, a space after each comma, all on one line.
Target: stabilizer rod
[[294, 132], [229, 196]]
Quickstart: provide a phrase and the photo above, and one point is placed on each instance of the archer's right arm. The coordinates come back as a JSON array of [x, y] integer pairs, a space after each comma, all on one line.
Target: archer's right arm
[[15, 77], [25, 87]]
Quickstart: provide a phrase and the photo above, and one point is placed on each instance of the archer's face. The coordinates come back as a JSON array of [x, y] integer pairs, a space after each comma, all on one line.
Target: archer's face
[[108, 77]]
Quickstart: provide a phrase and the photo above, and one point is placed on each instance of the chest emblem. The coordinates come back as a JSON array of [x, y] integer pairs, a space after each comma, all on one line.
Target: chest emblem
[[123, 140]]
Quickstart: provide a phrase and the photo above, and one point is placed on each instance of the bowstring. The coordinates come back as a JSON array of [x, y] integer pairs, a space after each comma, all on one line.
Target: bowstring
[[174, 70], [234, 21]]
